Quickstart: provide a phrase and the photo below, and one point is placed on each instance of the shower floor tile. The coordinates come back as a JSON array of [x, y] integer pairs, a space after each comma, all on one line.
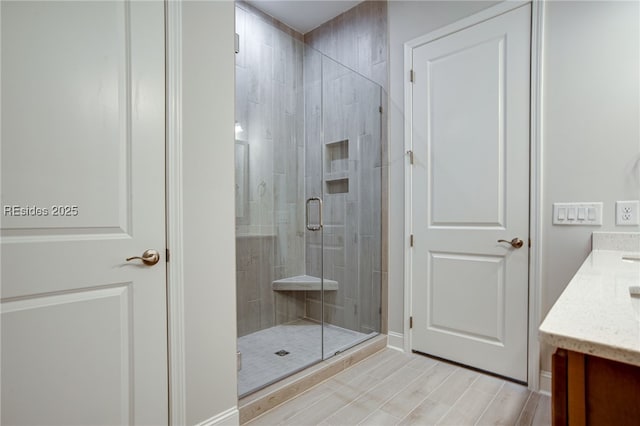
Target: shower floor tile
[[261, 365]]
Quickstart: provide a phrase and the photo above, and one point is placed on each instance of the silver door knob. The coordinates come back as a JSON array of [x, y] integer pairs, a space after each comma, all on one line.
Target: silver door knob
[[149, 257], [515, 243]]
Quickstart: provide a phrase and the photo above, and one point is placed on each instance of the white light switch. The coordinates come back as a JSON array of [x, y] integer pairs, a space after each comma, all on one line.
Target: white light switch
[[562, 213], [577, 214]]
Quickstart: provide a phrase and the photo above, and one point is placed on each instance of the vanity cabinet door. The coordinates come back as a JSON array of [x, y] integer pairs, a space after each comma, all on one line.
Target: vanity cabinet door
[[612, 392], [589, 390]]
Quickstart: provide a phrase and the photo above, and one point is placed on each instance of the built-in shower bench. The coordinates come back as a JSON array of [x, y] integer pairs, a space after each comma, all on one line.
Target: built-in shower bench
[[303, 283]]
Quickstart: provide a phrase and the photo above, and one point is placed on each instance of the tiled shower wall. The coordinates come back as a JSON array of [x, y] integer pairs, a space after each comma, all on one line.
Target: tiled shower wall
[[358, 39], [355, 225], [269, 108]]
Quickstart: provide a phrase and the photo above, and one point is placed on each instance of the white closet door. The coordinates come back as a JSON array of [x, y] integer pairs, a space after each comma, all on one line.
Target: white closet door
[[84, 336], [470, 188]]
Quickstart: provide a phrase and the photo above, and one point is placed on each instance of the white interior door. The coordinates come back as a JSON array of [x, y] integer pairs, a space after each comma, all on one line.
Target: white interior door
[[83, 331], [470, 188]]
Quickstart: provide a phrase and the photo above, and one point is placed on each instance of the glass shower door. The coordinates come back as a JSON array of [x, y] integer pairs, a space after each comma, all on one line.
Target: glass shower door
[[351, 174]]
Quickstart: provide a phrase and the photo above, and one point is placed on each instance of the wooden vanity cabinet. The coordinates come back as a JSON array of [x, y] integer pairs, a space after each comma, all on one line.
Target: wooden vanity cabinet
[[589, 390]]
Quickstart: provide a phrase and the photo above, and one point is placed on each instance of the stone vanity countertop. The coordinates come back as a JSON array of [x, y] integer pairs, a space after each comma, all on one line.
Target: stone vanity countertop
[[595, 314]]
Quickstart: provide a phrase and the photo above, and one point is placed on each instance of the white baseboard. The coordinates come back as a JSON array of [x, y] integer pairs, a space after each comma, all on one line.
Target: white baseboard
[[395, 341], [230, 417], [545, 382]]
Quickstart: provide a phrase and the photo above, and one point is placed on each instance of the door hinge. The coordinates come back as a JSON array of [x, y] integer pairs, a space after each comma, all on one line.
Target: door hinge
[[410, 322], [167, 256], [411, 240], [412, 76], [529, 242], [410, 154], [237, 43], [380, 109]]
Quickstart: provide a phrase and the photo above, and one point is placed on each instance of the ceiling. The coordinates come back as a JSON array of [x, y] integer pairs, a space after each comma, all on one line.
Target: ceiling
[[304, 15]]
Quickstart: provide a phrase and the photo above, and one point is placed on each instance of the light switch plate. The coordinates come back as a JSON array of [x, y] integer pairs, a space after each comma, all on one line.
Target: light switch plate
[[585, 214]]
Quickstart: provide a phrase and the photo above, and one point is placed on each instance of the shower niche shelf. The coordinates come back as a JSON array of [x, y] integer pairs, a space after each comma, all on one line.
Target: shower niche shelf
[[336, 167], [303, 283], [337, 185]]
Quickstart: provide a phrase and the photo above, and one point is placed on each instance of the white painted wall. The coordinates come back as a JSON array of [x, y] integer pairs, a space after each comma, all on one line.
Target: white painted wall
[[591, 127], [591, 135], [209, 213]]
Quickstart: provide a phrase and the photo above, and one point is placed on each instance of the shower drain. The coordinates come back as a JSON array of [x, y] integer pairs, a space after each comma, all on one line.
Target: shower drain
[[281, 352]]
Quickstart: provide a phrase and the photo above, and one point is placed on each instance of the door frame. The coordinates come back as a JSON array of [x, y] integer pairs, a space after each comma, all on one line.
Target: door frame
[[535, 170], [174, 182]]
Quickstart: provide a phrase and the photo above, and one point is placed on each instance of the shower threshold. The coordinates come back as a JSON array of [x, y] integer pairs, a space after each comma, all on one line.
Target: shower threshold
[[261, 364]]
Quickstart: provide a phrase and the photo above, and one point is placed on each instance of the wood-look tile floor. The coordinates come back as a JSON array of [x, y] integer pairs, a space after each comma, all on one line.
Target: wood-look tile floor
[[393, 388]]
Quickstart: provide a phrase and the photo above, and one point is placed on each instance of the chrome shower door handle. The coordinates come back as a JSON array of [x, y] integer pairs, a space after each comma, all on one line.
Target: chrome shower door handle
[[319, 225]]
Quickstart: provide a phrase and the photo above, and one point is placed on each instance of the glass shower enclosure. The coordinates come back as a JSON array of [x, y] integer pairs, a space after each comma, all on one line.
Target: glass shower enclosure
[[308, 205]]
